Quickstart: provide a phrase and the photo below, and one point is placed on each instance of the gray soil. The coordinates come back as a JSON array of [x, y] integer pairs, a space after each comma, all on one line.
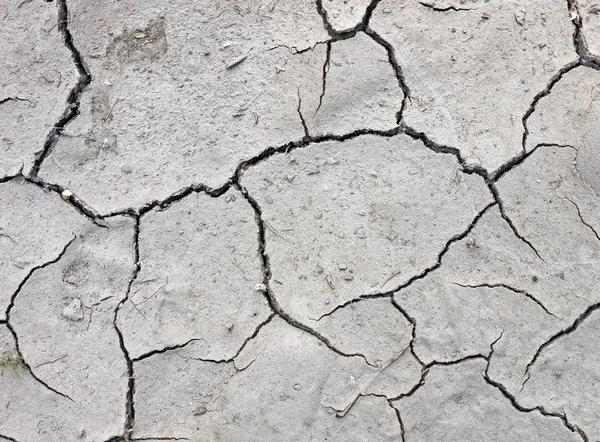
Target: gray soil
[[300, 220]]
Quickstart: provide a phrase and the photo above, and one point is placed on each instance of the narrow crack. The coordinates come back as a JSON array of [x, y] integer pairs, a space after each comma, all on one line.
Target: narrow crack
[[425, 372], [74, 97], [397, 69], [555, 79], [220, 361], [7, 438], [496, 194], [413, 332], [324, 80], [424, 273], [446, 9], [518, 159], [157, 438], [12, 304], [299, 109], [512, 289], [400, 421], [269, 296], [513, 400], [582, 220], [130, 400]]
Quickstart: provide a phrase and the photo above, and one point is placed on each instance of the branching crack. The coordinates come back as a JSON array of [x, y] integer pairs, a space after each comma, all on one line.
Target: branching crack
[[270, 297], [346, 33], [513, 400], [424, 273], [12, 304], [555, 79], [73, 99], [219, 361], [496, 194], [130, 402], [512, 289]]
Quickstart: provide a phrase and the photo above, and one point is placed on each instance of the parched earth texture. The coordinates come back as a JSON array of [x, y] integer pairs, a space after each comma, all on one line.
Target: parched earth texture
[[297, 220]]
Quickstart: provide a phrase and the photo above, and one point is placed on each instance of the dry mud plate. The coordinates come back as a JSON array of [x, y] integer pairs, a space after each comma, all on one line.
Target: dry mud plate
[[300, 220]]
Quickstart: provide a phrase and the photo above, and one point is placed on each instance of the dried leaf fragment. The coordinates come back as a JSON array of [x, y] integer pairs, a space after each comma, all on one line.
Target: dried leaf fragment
[[139, 35]]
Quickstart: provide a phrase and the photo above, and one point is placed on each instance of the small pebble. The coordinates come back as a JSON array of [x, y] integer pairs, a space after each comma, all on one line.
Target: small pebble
[[66, 194]]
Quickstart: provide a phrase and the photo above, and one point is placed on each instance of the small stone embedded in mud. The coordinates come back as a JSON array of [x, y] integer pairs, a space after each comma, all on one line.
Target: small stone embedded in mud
[[297, 387], [73, 311], [200, 411]]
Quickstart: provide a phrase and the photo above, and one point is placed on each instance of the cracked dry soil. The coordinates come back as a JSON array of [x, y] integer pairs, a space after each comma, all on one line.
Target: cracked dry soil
[[298, 220]]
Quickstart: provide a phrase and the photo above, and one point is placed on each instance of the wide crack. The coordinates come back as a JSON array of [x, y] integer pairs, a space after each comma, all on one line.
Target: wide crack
[[74, 97]]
